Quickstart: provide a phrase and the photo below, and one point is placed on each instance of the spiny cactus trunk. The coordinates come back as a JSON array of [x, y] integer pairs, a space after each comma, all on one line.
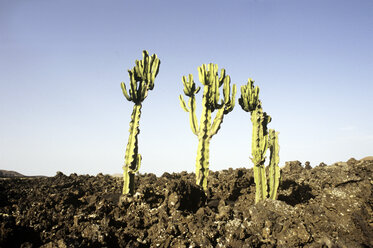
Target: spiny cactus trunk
[[259, 147], [203, 152], [202, 168], [260, 182], [132, 158]]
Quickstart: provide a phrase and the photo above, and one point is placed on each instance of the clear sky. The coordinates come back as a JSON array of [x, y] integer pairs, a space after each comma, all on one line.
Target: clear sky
[[61, 64]]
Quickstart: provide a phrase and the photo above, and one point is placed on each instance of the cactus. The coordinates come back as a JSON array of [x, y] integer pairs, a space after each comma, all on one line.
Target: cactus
[[250, 102], [141, 80], [274, 169], [208, 76]]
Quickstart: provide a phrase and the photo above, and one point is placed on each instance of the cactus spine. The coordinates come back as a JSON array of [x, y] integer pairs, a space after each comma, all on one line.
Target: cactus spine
[[142, 78], [250, 102], [208, 76]]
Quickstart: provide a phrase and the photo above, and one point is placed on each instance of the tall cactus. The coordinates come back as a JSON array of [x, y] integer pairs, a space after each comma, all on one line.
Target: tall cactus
[[208, 76], [250, 102], [142, 78]]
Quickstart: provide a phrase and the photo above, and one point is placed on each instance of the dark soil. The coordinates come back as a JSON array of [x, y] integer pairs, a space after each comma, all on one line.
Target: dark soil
[[325, 206]]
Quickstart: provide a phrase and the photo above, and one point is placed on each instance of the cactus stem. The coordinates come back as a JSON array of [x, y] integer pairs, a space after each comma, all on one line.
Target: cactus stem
[[132, 157], [203, 152]]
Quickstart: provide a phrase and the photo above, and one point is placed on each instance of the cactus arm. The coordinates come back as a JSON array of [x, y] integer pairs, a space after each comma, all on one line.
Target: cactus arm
[[202, 74], [153, 70], [274, 169], [229, 102], [215, 92], [183, 104], [131, 156], [124, 90], [218, 120], [190, 90], [233, 101], [143, 91], [155, 64], [227, 90], [192, 112], [187, 86], [133, 90], [193, 116], [222, 77], [243, 99]]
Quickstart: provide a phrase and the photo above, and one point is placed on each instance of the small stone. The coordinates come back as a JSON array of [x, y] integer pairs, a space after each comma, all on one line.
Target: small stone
[[322, 164], [174, 201], [292, 166]]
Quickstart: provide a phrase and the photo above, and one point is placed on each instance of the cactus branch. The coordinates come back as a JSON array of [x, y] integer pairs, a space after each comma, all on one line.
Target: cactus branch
[[125, 91], [193, 116], [218, 120], [274, 169], [183, 104]]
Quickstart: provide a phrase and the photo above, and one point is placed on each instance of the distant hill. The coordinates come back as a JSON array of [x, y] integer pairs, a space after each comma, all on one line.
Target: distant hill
[[6, 173]]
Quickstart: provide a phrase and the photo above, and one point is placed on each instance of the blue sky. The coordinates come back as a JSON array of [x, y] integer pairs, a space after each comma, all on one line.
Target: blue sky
[[61, 64]]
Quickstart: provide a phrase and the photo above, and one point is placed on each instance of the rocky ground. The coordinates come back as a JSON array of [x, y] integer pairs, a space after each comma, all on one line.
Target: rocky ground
[[325, 206]]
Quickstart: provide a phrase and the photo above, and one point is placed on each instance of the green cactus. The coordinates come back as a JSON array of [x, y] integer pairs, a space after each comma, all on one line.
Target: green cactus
[[274, 169], [250, 102], [141, 80], [208, 76]]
